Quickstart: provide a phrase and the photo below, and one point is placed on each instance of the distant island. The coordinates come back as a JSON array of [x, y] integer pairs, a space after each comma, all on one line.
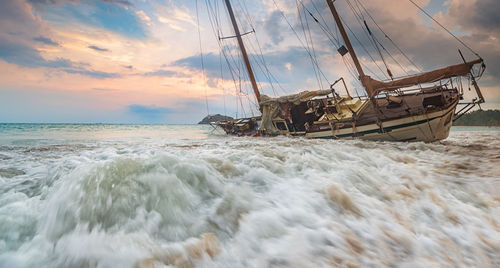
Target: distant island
[[214, 118], [489, 118]]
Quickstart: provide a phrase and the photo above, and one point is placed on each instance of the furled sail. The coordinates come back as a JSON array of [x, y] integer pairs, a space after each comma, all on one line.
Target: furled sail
[[374, 87]]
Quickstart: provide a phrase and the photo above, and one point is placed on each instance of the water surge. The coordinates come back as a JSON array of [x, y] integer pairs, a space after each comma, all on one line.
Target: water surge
[[140, 196]]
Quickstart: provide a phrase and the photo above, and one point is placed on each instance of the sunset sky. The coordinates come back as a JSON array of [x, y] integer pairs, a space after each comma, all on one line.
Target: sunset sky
[[126, 61]]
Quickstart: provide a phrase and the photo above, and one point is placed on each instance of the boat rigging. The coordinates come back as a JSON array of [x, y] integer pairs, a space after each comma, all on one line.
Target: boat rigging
[[393, 109]]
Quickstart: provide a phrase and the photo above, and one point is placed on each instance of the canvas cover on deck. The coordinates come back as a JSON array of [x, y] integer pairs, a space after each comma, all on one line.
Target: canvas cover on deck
[[376, 86], [271, 107]]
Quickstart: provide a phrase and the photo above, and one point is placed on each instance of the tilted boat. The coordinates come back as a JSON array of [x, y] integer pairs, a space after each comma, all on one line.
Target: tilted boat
[[420, 107]]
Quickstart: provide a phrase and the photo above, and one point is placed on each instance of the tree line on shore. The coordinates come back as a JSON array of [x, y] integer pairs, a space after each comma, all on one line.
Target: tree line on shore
[[490, 118]]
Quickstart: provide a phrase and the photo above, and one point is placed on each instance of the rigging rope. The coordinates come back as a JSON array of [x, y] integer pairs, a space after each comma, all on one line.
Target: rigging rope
[[390, 55], [259, 55], [337, 44], [308, 40], [437, 22], [359, 19], [215, 25], [387, 36], [297, 35], [329, 30], [375, 42], [269, 74], [364, 48], [201, 55], [222, 82], [234, 65]]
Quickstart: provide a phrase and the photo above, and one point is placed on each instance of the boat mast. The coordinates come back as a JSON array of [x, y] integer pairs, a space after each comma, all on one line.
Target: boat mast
[[336, 16], [243, 51]]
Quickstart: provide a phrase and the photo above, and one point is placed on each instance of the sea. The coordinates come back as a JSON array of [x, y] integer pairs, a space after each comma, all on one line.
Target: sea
[[97, 195]]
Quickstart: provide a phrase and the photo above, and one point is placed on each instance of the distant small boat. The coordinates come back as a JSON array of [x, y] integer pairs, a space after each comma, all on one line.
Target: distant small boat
[[420, 107]]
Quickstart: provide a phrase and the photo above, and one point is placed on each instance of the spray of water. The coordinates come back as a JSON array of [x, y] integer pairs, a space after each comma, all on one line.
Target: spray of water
[[247, 202]]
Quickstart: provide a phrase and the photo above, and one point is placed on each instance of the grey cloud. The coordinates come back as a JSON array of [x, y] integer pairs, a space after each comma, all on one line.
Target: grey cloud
[[487, 15], [25, 56], [98, 48], [16, 49], [429, 49], [160, 73], [211, 64], [104, 89], [47, 2], [297, 56], [55, 2], [273, 27], [46, 41], [92, 73], [119, 2], [17, 17]]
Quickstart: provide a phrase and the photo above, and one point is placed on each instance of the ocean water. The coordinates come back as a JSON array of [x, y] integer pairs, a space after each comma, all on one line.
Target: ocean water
[[182, 196]]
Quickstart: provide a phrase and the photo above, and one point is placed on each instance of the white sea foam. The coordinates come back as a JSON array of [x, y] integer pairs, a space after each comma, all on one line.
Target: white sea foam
[[146, 195]]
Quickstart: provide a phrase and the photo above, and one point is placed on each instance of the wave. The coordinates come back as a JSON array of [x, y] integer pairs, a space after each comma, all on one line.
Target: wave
[[247, 202]]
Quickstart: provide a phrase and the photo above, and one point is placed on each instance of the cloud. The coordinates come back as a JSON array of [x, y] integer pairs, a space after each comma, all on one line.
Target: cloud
[[104, 89], [92, 73], [148, 111], [276, 60], [119, 2], [487, 15], [160, 73], [46, 41], [112, 15], [17, 17], [211, 64], [26, 28], [98, 48], [143, 16], [56, 2], [175, 17], [49, 2], [473, 21], [140, 38], [25, 56], [273, 27], [479, 15]]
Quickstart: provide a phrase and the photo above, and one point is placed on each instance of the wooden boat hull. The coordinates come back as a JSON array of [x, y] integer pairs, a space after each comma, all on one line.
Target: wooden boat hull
[[426, 127], [424, 117]]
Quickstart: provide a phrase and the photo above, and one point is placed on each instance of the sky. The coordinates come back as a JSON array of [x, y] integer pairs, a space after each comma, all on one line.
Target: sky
[[126, 61]]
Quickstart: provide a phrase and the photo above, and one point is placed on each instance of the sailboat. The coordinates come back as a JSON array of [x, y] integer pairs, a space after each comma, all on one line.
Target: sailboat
[[396, 110]]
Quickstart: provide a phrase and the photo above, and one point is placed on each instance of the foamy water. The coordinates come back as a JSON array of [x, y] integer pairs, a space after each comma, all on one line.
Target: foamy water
[[152, 196]]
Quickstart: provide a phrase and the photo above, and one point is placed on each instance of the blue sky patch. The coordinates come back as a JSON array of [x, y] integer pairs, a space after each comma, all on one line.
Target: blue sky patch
[[111, 16], [148, 111]]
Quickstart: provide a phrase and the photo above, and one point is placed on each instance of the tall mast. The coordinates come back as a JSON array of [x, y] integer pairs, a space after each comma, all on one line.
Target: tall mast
[[362, 75], [243, 51]]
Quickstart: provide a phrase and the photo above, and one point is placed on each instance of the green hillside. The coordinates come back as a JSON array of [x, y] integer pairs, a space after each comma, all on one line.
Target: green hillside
[[480, 118]]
